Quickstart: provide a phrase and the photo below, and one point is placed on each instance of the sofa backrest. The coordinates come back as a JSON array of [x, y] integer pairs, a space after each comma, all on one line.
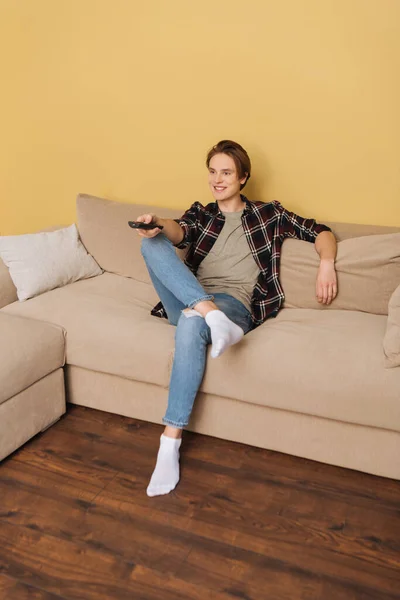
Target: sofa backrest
[[368, 272], [104, 230], [368, 267], [366, 281], [345, 231]]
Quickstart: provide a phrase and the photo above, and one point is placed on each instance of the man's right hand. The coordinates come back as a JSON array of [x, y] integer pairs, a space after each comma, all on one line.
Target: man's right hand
[[148, 233], [172, 230]]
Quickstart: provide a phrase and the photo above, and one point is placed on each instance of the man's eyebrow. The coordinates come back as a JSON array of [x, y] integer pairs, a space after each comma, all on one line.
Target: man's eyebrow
[[227, 169]]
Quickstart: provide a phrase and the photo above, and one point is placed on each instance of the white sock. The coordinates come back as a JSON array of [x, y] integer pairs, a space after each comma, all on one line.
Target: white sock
[[224, 332], [166, 474]]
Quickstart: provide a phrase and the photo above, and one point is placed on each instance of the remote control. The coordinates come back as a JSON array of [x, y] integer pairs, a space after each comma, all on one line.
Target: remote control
[[139, 225]]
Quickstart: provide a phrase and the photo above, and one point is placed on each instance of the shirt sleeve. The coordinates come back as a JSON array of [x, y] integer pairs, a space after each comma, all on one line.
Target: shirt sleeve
[[188, 222], [293, 226]]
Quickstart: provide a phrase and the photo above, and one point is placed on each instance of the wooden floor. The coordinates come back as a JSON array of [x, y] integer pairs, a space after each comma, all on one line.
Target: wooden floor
[[243, 523]]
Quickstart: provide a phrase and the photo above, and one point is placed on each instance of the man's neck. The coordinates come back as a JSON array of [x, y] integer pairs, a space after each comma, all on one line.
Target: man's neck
[[232, 205]]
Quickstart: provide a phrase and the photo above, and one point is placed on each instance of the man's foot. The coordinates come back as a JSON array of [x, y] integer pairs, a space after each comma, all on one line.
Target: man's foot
[[166, 474], [224, 332]]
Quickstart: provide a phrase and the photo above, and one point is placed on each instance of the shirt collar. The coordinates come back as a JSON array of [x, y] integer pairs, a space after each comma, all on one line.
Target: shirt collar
[[249, 205], [213, 207]]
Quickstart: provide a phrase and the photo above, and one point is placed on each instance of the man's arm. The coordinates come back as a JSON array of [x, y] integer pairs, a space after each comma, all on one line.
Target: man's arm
[[326, 285], [172, 230], [294, 226], [181, 232]]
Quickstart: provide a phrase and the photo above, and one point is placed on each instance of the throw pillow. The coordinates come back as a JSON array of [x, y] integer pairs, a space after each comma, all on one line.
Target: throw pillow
[[39, 262], [391, 342], [368, 270]]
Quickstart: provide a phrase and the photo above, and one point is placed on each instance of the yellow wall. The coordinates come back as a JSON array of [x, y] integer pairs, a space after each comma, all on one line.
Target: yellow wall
[[122, 99]]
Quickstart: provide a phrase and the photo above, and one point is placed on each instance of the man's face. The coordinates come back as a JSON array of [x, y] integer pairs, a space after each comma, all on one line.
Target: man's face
[[223, 177]]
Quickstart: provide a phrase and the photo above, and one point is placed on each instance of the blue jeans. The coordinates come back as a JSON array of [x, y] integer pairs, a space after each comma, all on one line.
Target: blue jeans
[[178, 289]]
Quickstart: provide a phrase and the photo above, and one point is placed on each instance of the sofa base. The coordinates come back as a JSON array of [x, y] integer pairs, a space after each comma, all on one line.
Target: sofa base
[[31, 411], [368, 449]]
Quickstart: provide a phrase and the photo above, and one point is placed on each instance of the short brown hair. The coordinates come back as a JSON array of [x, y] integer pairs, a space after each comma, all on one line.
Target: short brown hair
[[237, 153]]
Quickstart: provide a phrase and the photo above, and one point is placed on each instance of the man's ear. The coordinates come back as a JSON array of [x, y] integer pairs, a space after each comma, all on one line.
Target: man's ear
[[244, 179]]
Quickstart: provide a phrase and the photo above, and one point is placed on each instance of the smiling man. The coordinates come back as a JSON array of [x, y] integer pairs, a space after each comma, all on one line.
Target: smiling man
[[228, 285]]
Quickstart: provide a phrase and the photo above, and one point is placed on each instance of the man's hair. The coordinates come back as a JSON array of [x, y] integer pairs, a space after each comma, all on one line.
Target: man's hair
[[237, 153]]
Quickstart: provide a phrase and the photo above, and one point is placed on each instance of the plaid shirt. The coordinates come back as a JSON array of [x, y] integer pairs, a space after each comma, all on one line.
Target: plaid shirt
[[266, 225]]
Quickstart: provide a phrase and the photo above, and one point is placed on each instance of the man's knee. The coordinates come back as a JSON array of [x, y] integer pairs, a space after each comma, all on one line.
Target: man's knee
[[146, 246], [151, 245], [191, 328]]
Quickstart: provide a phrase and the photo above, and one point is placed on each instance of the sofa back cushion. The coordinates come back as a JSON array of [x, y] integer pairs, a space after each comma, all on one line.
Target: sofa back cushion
[[391, 342], [368, 270], [346, 231], [104, 230], [8, 291]]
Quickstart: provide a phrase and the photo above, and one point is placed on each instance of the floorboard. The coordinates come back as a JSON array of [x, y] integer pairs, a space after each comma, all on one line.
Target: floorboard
[[243, 522]]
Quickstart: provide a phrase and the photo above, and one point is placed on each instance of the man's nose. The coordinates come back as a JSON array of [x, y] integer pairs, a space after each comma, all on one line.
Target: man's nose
[[218, 177]]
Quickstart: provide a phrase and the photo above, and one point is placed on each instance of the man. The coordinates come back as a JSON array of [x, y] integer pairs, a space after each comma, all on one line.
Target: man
[[228, 285]]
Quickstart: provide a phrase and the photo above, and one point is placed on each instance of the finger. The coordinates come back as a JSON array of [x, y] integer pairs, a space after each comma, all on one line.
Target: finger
[[327, 293], [143, 219], [149, 218], [330, 295], [146, 233], [150, 233]]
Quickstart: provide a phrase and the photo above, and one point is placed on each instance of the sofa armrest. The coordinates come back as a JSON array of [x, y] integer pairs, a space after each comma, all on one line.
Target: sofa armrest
[[8, 291]]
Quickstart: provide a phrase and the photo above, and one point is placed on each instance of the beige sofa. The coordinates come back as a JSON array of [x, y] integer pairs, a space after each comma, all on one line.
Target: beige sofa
[[312, 382], [32, 393]]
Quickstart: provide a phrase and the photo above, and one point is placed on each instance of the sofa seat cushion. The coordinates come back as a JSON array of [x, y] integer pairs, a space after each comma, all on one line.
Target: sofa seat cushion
[[324, 363], [109, 326], [29, 351]]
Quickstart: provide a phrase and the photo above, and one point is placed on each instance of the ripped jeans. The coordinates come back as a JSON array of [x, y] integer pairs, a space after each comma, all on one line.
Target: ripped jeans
[[178, 289]]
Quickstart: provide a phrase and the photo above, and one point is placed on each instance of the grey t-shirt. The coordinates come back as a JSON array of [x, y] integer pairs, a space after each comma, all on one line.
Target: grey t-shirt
[[229, 267]]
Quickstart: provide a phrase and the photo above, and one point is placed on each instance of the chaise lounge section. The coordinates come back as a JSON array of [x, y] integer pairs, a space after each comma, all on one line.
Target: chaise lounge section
[[32, 391]]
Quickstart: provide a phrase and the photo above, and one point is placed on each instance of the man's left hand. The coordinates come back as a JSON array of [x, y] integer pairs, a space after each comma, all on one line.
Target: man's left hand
[[326, 287]]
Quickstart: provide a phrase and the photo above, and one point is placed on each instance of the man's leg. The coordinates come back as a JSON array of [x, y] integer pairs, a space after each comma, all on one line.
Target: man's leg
[[163, 263], [191, 340], [173, 306], [177, 288]]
